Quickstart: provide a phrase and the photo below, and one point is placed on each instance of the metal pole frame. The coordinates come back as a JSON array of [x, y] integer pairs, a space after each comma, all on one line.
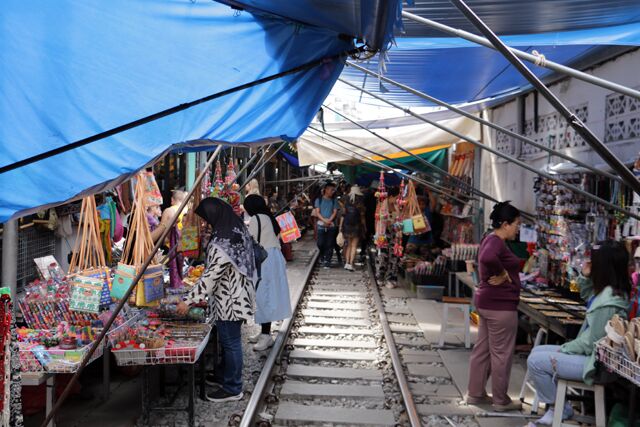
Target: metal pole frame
[[625, 173], [125, 298], [539, 61], [453, 178], [259, 168], [506, 157], [470, 186], [434, 187], [480, 120]]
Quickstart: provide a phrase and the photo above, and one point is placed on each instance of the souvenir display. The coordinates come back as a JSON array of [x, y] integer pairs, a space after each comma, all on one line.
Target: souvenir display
[[150, 340], [151, 191], [231, 187], [137, 249], [414, 221], [191, 229], [381, 215]]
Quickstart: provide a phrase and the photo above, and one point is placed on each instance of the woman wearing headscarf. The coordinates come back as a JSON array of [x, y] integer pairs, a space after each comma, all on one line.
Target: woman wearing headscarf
[[228, 284], [272, 295]]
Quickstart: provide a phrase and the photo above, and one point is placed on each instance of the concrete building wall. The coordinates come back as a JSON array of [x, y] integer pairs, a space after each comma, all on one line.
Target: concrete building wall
[[614, 118]]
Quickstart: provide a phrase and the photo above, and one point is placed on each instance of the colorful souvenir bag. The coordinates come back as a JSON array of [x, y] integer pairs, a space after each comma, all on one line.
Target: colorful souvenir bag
[[137, 248], [153, 282], [85, 294], [412, 214], [289, 230], [88, 261]]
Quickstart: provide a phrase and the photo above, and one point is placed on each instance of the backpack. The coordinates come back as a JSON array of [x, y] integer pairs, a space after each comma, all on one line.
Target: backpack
[[351, 214]]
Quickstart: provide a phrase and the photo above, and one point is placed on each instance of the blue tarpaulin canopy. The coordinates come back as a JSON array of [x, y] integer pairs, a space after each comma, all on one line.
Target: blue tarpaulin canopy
[[458, 71], [72, 69]]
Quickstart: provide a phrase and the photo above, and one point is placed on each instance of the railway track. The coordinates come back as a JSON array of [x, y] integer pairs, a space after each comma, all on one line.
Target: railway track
[[336, 363]]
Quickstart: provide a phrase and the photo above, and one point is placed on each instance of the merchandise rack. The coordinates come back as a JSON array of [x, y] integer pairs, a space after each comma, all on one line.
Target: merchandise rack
[[617, 361], [57, 365], [191, 342]]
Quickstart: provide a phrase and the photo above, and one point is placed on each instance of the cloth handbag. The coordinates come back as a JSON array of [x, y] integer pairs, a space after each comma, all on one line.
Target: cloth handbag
[[85, 294], [420, 224], [152, 193], [289, 230], [137, 248], [122, 280], [340, 239], [407, 226], [153, 284]]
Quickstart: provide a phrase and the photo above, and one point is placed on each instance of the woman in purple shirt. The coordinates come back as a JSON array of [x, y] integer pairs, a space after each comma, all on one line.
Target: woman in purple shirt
[[496, 300]]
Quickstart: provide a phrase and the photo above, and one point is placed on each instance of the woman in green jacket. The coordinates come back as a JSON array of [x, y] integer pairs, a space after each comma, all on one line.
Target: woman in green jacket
[[605, 285]]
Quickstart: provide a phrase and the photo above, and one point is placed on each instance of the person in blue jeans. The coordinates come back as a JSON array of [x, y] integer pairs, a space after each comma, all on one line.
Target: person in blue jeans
[[227, 283], [326, 209], [604, 285]]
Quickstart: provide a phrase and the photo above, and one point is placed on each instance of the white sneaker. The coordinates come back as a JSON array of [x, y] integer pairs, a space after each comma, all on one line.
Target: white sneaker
[[254, 338], [391, 285], [348, 267], [264, 342], [547, 418]]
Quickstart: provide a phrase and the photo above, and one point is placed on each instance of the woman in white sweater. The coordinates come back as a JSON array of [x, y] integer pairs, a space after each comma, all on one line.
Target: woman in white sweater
[[272, 294]]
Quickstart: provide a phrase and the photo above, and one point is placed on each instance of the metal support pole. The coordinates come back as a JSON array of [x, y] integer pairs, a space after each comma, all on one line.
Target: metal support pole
[[475, 118], [527, 57], [625, 173], [455, 179], [434, 187], [509, 158], [10, 256], [413, 178], [259, 168]]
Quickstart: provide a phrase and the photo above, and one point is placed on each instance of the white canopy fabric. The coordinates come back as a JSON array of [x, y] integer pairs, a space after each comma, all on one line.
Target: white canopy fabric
[[314, 149]]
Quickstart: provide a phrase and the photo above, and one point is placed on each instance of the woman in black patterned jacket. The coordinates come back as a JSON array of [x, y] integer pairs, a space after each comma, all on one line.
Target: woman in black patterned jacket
[[227, 283]]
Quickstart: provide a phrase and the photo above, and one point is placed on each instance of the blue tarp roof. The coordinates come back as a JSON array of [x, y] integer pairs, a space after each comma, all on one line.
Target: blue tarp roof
[[459, 71], [72, 69], [372, 21]]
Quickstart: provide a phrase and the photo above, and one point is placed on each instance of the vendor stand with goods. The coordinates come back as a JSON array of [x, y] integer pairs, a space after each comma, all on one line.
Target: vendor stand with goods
[[156, 334], [64, 313]]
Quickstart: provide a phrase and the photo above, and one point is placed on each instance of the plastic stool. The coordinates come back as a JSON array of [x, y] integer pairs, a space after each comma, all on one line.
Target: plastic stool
[[536, 402], [561, 394], [462, 304]]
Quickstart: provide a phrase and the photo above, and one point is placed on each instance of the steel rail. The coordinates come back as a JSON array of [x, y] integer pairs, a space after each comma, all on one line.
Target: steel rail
[[125, 298], [481, 121], [509, 158], [537, 60], [279, 344], [574, 121], [407, 396]]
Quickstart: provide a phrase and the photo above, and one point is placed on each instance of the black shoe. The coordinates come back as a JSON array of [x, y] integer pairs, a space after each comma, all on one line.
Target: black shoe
[[213, 381], [222, 396]]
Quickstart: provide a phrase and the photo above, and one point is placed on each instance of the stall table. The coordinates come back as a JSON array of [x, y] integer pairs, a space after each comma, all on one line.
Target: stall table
[[181, 355], [567, 329]]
